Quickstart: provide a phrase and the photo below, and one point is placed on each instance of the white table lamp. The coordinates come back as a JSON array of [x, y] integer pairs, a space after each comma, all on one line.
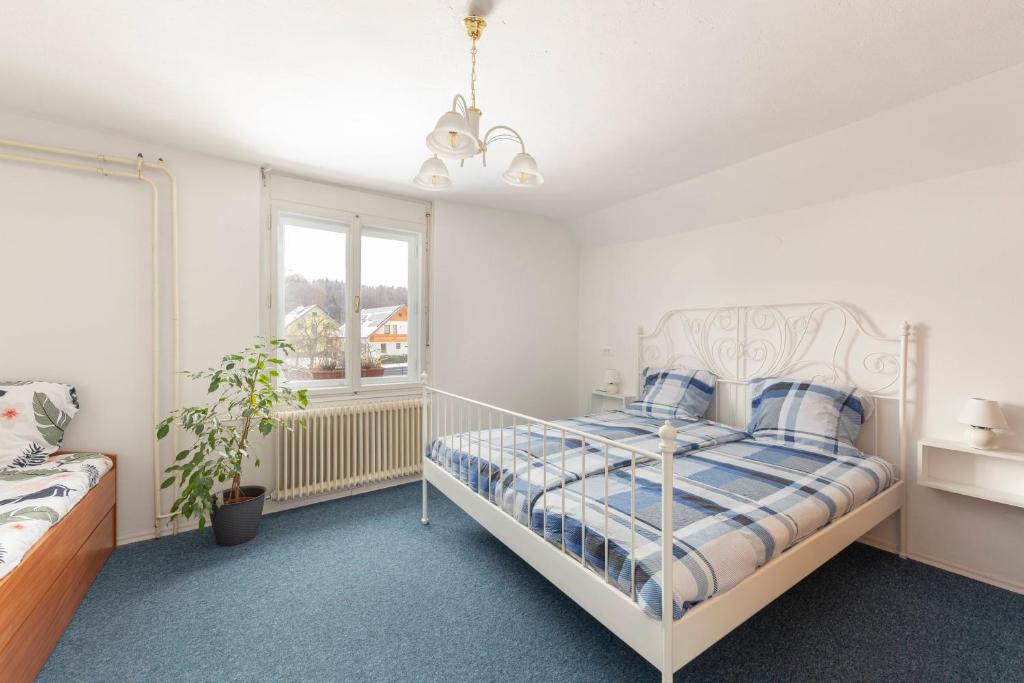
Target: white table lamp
[[611, 381], [981, 417]]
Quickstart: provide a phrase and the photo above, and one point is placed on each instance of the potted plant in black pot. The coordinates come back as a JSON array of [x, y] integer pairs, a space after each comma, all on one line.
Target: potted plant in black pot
[[244, 399]]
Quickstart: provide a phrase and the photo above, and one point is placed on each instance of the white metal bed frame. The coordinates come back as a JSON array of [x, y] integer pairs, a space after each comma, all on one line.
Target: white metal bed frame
[[824, 341]]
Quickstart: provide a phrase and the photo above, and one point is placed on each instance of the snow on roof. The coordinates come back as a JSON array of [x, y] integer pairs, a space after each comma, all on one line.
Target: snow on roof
[[296, 313], [372, 318], [300, 311]]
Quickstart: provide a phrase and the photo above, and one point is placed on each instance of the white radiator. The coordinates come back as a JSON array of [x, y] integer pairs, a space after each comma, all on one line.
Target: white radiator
[[347, 446]]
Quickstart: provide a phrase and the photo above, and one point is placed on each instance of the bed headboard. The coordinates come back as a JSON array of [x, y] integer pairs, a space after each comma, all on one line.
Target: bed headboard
[[824, 341]]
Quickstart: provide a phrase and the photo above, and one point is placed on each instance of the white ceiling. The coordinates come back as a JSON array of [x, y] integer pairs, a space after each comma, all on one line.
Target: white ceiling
[[614, 99]]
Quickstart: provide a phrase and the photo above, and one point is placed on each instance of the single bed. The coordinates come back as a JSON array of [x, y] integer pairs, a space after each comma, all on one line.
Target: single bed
[[748, 518], [57, 528]]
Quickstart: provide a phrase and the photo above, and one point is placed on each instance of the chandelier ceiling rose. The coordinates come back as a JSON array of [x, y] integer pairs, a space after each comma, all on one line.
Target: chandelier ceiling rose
[[457, 134], [475, 27]]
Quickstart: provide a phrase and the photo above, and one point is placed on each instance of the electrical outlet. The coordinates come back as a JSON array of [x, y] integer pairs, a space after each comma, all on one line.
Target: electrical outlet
[[607, 352]]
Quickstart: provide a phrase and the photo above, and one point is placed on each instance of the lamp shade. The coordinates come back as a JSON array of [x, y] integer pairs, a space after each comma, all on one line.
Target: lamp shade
[[433, 175], [522, 172], [452, 137], [611, 376], [981, 412]]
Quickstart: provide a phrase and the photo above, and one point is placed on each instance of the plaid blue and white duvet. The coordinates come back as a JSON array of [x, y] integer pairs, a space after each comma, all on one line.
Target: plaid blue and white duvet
[[736, 506], [508, 465]]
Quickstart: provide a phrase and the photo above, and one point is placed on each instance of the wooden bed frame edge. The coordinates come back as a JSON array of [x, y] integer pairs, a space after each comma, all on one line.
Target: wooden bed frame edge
[[39, 597]]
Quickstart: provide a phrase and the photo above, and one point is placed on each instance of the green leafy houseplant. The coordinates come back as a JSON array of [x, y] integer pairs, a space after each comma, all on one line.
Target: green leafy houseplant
[[245, 400]]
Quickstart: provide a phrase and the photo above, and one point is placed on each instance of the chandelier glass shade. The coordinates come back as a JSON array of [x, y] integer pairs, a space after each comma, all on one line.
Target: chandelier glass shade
[[452, 138], [457, 135], [522, 172], [433, 175]]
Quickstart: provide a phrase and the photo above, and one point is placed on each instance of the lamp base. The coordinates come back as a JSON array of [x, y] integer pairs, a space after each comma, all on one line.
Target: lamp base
[[981, 438], [612, 387]]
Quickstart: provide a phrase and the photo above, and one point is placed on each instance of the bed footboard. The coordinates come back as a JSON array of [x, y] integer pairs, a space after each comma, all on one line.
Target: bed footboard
[[447, 413]]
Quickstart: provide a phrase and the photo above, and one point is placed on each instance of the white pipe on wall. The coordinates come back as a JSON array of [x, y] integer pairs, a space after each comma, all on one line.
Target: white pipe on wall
[[175, 338], [139, 163]]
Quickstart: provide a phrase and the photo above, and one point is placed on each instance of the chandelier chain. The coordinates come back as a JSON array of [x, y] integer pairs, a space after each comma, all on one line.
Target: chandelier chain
[[472, 75]]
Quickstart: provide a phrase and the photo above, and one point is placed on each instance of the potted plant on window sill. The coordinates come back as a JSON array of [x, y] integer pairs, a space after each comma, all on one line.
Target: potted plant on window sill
[[245, 400], [370, 364], [328, 370]]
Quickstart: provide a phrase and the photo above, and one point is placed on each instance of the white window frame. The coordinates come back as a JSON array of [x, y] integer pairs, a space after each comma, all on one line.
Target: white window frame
[[414, 238], [356, 224]]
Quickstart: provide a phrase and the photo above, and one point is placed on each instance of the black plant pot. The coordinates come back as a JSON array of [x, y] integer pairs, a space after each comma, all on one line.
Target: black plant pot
[[239, 522]]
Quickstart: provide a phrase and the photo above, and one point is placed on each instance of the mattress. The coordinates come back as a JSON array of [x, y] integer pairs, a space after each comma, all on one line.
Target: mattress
[[736, 506], [33, 499], [513, 467]]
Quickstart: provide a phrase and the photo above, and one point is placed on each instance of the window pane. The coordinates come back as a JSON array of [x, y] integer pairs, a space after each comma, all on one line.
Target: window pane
[[313, 310], [385, 334]]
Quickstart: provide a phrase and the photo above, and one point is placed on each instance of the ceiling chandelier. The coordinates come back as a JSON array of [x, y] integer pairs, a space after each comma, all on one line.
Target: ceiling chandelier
[[457, 135]]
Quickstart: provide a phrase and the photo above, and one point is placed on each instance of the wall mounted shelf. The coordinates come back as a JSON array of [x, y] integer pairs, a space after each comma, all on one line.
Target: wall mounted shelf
[[602, 400], [947, 465]]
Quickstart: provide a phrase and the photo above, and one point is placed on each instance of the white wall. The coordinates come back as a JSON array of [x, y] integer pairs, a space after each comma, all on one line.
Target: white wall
[[504, 309], [971, 126], [75, 298], [944, 254], [76, 249]]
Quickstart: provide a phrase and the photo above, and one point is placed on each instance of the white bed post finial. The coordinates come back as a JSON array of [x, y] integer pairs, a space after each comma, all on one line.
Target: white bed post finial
[[425, 422], [667, 448]]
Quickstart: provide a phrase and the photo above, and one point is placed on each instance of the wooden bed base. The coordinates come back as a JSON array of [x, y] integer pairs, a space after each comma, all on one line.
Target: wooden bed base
[[40, 595]]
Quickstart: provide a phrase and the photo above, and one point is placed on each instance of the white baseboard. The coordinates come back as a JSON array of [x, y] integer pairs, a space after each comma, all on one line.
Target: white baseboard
[[887, 546], [135, 538], [272, 507], [998, 581]]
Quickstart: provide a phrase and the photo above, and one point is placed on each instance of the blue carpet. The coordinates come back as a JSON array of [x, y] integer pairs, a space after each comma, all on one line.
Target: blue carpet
[[358, 590]]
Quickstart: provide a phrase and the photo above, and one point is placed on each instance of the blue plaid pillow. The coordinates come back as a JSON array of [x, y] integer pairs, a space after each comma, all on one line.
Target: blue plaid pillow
[[674, 394], [827, 417]]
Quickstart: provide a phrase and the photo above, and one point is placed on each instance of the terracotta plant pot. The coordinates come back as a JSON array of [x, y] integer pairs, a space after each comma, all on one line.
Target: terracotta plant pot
[[327, 374], [373, 372]]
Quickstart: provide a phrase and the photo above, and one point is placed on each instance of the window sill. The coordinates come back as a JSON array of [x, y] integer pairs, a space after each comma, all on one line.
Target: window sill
[[342, 394]]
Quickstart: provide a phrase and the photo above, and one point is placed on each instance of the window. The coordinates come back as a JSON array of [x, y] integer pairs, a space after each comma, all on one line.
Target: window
[[313, 298], [388, 260], [322, 261]]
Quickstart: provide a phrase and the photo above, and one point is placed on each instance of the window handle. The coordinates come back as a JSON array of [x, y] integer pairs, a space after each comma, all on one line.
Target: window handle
[[357, 303]]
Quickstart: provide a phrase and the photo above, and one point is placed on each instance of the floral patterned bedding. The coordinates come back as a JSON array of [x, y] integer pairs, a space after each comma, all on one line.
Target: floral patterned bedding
[[32, 499]]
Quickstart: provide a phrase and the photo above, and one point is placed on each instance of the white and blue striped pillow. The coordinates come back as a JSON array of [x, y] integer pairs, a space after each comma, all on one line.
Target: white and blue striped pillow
[[826, 417], [674, 394]]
